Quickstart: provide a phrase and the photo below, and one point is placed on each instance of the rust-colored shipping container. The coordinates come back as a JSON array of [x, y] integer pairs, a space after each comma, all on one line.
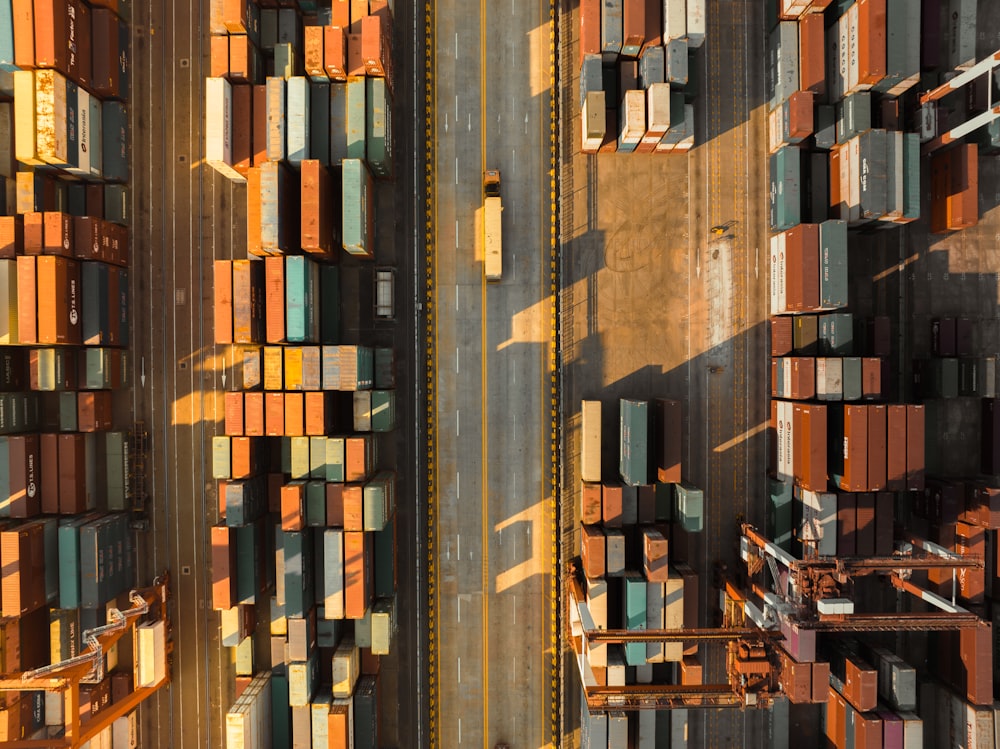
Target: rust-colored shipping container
[[359, 459], [654, 24], [72, 474], [654, 555], [691, 671], [971, 540], [335, 504], [809, 426], [293, 503], [373, 47], [355, 61], [633, 25], [872, 371], [781, 336], [800, 115], [23, 454], [24, 33], [895, 479], [57, 234], [877, 433], [223, 301], [855, 452], [354, 506], [335, 52], [49, 455], [812, 54], [820, 680], [669, 440], [867, 731], [243, 63], [592, 550], [860, 683], [258, 139], [865, 535], [357, 574], [22, 581], [590, 503], [803, 385], [218, 61], [274, 483], [915, 448], [93, 410], [27, 290], [610, 144], [294, 415], [223, 568], [274, 298], [836, 708], [796, 679], [847, 523], [11, 236], [871, 41], [107, 57], [590, 28], [235, 16], [612, 505], [234, 414], [243, 457], [317, 413], [248, 301], [242, 127], [62, 31], [976, 654], [316, 219], [314, 51], [370, 663], [341, 12], [274, 414], [253, 415], [34, 233]]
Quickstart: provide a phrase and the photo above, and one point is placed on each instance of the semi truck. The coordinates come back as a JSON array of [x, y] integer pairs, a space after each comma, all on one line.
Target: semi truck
[[492, 209]]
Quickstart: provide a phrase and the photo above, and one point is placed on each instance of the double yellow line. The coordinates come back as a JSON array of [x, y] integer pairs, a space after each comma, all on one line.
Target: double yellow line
[[484, 415]]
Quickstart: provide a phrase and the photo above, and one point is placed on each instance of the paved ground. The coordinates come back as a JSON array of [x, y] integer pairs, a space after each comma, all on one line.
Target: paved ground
[[494, 509], [184, 217], [654, 305]]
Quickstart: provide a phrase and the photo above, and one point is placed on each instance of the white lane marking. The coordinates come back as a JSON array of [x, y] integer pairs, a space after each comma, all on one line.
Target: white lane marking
[[513, 264], [500, 535], [459, 539], [513, 161], [515, 427], [459, 601], [458, 426], [459, 730], [456, 296], [513, 667], [456, 359], [447, 553], [456, 107], [456, 45], [525, 123], [459, 669], [456, 239], [470, 122], [513, 609], [456, 169]]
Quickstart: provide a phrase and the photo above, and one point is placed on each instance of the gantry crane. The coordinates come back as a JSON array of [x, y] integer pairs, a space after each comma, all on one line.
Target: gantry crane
[[66, 676], [812, 594], [967, 78]]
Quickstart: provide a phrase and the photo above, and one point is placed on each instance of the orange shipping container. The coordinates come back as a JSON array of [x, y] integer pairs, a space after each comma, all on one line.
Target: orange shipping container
[[22, 556], [58, 300], [353, 497], [314, 51], [27, 290], [243, 457], [871, 41], [223, 301], [357, 572], [234, 414], [274, 414], [223, 568], [234, 16], [293, 502], [590, 503], [274, 298], [812, 48], [24, 33], [253, 414], [359, 458], [243, 57], [317, 231], [248, 301], [34, 233], [359, 9], [373, 47], [57, 234], [316, 413], [253, 199], [294, 414], [219, 56], [340, 13], [335, 52], [340, 720]]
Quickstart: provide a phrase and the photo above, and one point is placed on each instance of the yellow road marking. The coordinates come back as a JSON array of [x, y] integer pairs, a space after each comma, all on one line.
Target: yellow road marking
[[485, 455]]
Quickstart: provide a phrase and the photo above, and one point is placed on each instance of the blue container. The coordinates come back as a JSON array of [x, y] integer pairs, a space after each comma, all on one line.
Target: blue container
[[7, 37]]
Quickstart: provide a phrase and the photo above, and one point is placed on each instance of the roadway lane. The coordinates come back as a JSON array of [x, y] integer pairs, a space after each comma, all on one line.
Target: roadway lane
[[492, 347], [182, 218]]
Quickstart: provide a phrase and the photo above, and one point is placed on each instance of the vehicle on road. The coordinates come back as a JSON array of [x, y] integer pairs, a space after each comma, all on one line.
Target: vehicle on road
[[493, 235], [385, 283]]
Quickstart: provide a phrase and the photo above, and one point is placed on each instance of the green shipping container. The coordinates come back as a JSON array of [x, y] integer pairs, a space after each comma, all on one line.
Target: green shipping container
[[355, 119], [281, 713], [299, 566], [338, 122], [779, 518], [634, 615], [836, 334], [833, 264], [357, 209], [690, 506], [664, 502], [385, 560], [379, 500], [383, 411], [247, 563], [385, 369], [319, 122], [301, 292], [852, 378], [116, 470], [316, 504], [633, 441], [335, 459], [329, 302], [786, 188], [911, 175], [378, 129]]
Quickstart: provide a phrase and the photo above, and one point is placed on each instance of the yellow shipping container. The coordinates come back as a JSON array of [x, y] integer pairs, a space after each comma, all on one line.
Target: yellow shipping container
[[24, 118], [51, 141], [293, 368], [8, 302], [273, 366]]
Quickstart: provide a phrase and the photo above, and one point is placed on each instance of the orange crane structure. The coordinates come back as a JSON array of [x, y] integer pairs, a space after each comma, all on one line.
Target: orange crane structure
[[66, 676]]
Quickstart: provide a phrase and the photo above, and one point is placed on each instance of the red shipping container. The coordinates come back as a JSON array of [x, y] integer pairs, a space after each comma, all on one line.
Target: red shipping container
[[223, 568], [316, 219], [896, 448], [860, 683], [354, 505], [234, 414], [800, 115], [22, 556], [357, 574], [877, 428], [592, 550], [871, 378], [293, 505], [915, 448], [796, 679], [49, 452], [976, 652], [855, 452], [809, 426], [27, 290], [334, 505], [335, 52], [847, 523], [274, 414], [803, 384], [23, 454], [812, 51], [970, 540], [781, 336], [590, 503], [871, 41], [72, 474], [294, 415], [242, 127], [93, 410], [314, 52], [218, 61], [590, 28], [612, 505]]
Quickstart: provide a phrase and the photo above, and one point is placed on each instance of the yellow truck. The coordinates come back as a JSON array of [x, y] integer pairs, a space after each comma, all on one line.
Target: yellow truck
[[492, 209]]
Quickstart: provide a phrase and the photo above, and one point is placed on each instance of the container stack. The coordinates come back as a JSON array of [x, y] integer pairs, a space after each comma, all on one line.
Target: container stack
[[636, 74], [65, 477], [299, 107], [303, 548], [638, 535]]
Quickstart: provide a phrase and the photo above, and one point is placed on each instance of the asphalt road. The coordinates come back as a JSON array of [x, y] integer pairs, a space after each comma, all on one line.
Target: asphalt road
[[655, 305], [492, 344]]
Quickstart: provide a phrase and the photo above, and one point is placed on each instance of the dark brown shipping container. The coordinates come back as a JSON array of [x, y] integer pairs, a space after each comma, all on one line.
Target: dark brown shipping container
[[88, 237], [259, 136], [877, 427], [896, 448], [865, 525], [24, 452], [612, 505], [884, 521], [855, 455], [943, 336], [654, 24], [879, 336], [335, 505], [646, 503], [803, 384], [93, 410], [820, 680], [691, 620], [590, 28], [610, 144], [590, 503], [223, 568], [805, 335], [106, 57], [49, 449], [72, 474], [963, 337], [915, 448], [860, 683], [592, 550], [810, 426], [976, 652], [781, 336], [847, 523], [242, 127], [669, 444], [812, 54], [796, 679]]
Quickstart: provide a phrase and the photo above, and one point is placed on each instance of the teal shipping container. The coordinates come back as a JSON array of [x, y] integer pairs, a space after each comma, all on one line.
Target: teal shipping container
[[690, 506], [911, 175], [95, 369], [338, 122], [319, 122], [779, 518], [633, 441], [383, 410], [245, 500], [299, 566], [664, 502], [385, 559], [836, 334], [378, 133], [852, 378], [366, 713], [114, 146], [297, 126], [356, 118], [634, 615], [335, 459], [248, 553], [50, 535], [116, 470], [281, 712], [833, 264], [116, 204], [67, 411], [316, 504], [786, 188], [7, 40], [358, 208], [379, 500], [329, 301], [301, 295]]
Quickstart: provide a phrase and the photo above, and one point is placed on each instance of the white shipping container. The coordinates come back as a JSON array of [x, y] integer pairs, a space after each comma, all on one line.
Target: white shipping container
[[346, 668], [654, 620], [844, 55], [298, 119], [913, 731], [152, 654], [961, 32], [782, 287], [785, 411], [301, 682], [55, 708], [854, 179], [852, 51], [362, 410], [779, 429], [320, 714], [695, 22], [633, 116], [673, 614], [829, 378], [616, 666], [658, 108], [773, 274], [333, 573], [123, 732], [219, 127], [8, 302], [593, 122], [597, 603], [276, 118], [674, 19], [590, 459]]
